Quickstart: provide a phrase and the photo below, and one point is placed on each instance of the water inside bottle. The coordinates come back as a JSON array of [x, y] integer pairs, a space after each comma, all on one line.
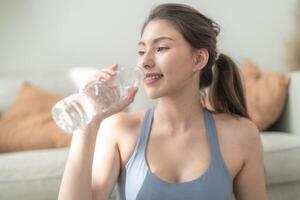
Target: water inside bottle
[[78, 110], [104, 96], [73, 112]]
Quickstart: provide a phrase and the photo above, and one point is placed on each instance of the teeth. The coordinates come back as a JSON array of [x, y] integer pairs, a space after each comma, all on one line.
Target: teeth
[[153, 77]]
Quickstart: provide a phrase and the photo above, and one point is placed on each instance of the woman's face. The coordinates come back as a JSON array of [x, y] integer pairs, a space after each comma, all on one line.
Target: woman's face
[[167, 59]]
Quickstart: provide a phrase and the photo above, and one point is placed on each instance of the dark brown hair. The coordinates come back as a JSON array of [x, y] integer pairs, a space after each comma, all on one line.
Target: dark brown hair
[[221, 75]]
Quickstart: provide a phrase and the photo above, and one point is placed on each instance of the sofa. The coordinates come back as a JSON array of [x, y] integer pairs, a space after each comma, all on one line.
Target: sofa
[[36, 174], [281, 144]]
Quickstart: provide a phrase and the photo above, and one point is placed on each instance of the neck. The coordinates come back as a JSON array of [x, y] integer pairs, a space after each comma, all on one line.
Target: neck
[[179, 112]]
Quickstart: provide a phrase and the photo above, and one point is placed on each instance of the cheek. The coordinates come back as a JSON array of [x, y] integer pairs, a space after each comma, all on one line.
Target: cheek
[[178, 65], [139, 62]]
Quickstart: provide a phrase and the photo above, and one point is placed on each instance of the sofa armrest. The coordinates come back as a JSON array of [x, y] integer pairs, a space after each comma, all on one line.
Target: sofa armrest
[[289, 119]]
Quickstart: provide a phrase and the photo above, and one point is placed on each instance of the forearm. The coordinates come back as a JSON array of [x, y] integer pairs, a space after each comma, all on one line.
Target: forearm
[[76, 181]]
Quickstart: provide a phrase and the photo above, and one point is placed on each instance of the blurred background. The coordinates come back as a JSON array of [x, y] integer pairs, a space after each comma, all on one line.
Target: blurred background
[[55, 44], [56, 34]]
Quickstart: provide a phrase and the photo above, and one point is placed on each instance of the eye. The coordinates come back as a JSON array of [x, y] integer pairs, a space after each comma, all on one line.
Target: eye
[[140, 52], [162, 49]]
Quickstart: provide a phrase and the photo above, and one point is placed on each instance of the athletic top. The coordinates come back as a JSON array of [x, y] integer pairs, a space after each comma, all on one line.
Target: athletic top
[[136, 181]]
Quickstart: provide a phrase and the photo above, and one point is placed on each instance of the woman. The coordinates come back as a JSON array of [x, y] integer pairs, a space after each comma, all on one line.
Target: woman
[[179, 149]]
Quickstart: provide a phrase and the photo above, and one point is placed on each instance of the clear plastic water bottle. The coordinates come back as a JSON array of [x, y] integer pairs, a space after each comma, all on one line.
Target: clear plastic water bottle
[[77, 110]]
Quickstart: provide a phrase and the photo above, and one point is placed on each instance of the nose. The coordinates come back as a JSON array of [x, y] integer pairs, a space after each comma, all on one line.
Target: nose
[[147, 61]]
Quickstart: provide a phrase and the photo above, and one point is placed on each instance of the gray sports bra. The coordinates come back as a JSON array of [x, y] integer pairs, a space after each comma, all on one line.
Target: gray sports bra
[[136, 181]]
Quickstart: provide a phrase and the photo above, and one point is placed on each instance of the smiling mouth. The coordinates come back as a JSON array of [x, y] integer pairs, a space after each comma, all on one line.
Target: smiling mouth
[[152, 77]]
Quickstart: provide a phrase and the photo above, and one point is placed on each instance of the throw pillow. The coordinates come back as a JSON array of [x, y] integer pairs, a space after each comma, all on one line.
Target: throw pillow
[[266, 94], [28, 123]]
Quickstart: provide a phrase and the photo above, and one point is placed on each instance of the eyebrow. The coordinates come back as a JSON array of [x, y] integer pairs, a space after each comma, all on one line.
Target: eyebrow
[[156, 40]]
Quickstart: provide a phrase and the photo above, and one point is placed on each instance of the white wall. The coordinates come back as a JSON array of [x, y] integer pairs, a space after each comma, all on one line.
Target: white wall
[[59, 34], [63, 33]]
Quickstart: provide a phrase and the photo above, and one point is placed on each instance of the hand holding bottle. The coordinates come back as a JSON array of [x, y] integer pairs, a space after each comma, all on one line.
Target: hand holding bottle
[[107, 92], [114, 90]]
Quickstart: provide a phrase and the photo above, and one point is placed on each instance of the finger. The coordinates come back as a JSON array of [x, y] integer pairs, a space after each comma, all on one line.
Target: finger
[[114, 67], [133, 91], [102, 74], [109, 71], [89, 82], [124, 102], [113, 93], [99, 76], [131, 94], [112, 72]]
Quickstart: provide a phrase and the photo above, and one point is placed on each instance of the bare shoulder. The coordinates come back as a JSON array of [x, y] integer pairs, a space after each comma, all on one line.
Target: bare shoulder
[[237, 136], [122, 122], [236, 128], [123, 128]]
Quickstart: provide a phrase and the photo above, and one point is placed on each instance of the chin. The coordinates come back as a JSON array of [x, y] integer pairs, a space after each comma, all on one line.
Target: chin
[[152, 94]]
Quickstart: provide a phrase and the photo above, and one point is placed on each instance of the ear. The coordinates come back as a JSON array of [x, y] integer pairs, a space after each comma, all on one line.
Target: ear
[[201, 57]]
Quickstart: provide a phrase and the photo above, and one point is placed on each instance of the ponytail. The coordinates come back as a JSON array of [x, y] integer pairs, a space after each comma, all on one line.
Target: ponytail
[[225, 91]]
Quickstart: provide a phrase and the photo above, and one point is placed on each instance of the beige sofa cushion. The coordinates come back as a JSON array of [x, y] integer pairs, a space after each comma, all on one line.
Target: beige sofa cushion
[[266, 94], [28, 123]]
